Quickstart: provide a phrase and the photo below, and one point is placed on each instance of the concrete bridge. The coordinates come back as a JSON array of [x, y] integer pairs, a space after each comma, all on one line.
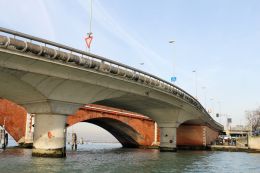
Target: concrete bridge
[[52, 81]]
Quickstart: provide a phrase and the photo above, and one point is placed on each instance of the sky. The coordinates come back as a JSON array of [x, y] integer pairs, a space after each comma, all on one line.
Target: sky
[[219, 39]]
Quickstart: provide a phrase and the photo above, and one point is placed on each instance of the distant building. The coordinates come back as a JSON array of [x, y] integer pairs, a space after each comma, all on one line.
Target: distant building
[[238, 131]]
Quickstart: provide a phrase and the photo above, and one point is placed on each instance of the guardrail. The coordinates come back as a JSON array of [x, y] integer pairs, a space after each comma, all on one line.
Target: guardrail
[[96, 62]]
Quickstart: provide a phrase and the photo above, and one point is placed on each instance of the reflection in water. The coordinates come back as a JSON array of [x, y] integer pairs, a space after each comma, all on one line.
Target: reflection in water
[[113, 158]]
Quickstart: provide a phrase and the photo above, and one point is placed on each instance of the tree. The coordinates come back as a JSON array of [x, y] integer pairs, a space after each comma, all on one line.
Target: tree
[[253, 118]]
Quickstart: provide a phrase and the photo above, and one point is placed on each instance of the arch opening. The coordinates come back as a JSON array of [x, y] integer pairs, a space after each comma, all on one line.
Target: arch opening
[[91, 137], [90, 133], [11, 141], [122, 133]]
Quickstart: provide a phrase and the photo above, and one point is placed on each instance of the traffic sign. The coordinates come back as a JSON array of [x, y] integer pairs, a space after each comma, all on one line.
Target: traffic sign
[[89, 39], [173, 79]]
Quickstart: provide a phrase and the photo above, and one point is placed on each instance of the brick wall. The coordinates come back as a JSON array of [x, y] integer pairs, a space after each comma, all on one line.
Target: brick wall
[[190, 135], [15, 119], [211, 135], [195, 135]]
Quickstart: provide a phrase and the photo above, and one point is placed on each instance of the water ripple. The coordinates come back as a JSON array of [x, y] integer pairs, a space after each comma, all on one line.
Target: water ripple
[[110, 158]]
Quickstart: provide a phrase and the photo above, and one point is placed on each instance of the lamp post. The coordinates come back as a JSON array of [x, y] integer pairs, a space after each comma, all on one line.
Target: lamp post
[[227, 120], [219, 107], [173, 78], [205, 96], [212, 106], [196, 84], [218, 115]]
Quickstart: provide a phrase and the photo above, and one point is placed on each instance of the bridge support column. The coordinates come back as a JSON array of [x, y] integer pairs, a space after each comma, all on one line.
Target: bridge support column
[[168, 137], [49, 135]]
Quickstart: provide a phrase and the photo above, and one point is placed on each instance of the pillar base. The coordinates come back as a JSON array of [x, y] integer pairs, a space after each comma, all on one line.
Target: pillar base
[[168, 139], [49, 135], [168, 149], [54, 153], [25, 145]]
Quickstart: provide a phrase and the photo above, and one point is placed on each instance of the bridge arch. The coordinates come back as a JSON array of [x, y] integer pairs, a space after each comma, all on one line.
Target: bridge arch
[[130, 129], [124, 133]]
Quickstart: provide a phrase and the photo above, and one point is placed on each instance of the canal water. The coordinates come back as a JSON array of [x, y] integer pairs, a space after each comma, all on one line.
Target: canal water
[[111, 158]]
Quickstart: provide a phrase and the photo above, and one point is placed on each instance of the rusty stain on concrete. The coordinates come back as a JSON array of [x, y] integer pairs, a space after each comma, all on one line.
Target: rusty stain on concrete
[[50, 135]]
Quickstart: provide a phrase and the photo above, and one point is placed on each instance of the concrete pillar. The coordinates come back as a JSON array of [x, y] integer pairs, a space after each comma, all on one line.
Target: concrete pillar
[[168, 138], [28, 138], [49, 135]]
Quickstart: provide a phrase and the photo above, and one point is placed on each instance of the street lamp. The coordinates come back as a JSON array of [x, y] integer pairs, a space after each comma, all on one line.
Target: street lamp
[[212, 109], [227, 120], [205, 97], [173, 78], [196, 84], [218, 115]]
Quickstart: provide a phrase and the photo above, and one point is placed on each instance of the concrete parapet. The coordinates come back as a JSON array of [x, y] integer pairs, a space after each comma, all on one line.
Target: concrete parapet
[[254, 142], [228, 148]]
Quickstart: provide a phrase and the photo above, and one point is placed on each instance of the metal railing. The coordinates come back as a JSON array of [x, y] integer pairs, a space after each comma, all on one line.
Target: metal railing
[[170, 87], [47, 42]]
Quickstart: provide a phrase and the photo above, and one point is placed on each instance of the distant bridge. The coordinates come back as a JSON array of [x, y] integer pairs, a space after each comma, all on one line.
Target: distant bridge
[[52, 81]]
